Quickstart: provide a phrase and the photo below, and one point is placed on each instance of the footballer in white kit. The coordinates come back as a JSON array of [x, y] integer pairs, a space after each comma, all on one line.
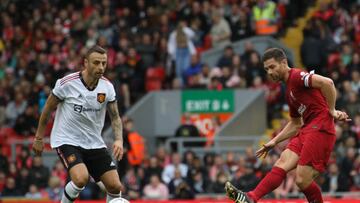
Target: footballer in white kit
[[79, 120], [80, 116], [82, 99]]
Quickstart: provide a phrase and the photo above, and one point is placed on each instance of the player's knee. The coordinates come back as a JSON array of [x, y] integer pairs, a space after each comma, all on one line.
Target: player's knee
[[283, 163], [80, 180], [114, 187], [302, 181]]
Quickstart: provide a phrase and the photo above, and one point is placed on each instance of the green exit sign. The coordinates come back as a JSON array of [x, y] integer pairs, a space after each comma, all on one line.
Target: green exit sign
[[202, 101]]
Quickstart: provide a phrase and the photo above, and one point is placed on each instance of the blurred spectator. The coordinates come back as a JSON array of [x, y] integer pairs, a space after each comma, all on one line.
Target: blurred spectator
[[239, 23], [355, 81], [155, 189], [197, 167], [248, 180], [181, 48], [169, 170], [231, 162], [312, 51], [176, 181], [204, 76], [265, 17], [33, 192], [184, 191], [4, 163], [132, 183], [135, 63], [2, 181], [10, 189], [24, 160], [218, 167], [39, 174], [200, 183], [356, 126], [353, 106], [254, 68], [60, 172], [189, 157], [15, 108], [218, 185], [226, 59], [335, 181], [153, 169], [188, 129], [220, 31], [147, 50], [55, 189], [23, 180], [193, 70], [347, 162], [13, 170], [163, 156], [137, 145], [26, 123]]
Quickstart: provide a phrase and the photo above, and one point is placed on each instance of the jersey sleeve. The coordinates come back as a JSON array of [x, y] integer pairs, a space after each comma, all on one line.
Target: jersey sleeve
[[303, 78], [59, 90], [112, 94]]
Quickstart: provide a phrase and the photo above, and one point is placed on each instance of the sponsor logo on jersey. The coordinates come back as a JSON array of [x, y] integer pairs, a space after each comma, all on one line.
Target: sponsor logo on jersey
[[101, 97], [301, 109], [71, 158], [77, 108]]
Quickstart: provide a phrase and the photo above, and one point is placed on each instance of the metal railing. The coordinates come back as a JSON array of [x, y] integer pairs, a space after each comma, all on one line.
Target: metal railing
[[181, 142]]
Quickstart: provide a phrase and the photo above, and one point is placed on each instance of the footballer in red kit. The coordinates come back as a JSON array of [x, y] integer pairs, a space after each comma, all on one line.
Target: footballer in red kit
[[318, 129], [311, 130]]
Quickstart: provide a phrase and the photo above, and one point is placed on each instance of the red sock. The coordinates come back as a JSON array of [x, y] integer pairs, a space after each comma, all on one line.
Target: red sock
[[313, 193], [269, 183]]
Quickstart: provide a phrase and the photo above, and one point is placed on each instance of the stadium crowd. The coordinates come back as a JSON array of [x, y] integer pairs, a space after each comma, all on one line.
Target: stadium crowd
[[41, 41]]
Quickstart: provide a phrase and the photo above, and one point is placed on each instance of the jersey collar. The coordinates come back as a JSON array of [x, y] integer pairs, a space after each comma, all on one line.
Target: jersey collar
[[84, 83]]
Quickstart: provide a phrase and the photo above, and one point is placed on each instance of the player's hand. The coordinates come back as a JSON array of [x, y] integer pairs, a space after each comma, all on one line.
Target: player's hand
[[264, 150], [118, 149], [38, 146], [340, 115]]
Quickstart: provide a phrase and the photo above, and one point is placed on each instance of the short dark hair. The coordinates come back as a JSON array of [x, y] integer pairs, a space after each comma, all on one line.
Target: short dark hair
[[276, 53], [97, 49]]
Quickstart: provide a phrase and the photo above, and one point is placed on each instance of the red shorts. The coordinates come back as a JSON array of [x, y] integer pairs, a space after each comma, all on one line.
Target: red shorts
[[313, 147]]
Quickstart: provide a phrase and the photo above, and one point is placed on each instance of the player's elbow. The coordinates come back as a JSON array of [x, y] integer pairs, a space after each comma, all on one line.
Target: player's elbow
[[328, 82]]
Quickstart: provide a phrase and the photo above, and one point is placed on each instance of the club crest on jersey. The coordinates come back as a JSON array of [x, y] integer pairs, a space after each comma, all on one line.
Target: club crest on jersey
[[71, 158], [101, 97]]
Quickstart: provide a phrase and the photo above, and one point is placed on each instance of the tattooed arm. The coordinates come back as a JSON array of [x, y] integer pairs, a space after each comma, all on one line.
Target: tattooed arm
[[116, 125], [50, 105]]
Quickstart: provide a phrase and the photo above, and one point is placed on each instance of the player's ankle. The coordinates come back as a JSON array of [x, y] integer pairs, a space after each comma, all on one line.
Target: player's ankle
[[252, 196]]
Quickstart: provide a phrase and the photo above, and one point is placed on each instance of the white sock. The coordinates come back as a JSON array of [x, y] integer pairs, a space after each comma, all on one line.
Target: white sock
[[71, 192], [111, 196]]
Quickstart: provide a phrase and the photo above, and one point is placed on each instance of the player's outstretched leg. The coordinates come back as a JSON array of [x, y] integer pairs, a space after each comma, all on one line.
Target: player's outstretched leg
[[237, 195]]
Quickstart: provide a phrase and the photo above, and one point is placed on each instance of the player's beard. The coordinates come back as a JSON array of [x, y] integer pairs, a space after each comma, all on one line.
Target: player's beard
[[274, 78]]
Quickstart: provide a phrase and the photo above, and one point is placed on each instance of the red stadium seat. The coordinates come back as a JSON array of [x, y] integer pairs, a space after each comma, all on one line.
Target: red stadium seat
[[154, 78]]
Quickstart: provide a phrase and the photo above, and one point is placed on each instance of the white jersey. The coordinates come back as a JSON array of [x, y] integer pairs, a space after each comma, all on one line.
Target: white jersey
[[80, 116]]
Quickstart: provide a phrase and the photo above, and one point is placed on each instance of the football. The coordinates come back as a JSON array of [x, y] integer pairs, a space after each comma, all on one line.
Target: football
[[119, 200]]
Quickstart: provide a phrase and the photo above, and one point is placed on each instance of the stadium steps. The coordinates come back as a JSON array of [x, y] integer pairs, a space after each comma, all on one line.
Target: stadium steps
[[294, 37]]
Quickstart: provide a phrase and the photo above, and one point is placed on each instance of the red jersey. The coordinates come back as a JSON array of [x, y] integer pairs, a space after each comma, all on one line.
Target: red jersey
[[307, 102]]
